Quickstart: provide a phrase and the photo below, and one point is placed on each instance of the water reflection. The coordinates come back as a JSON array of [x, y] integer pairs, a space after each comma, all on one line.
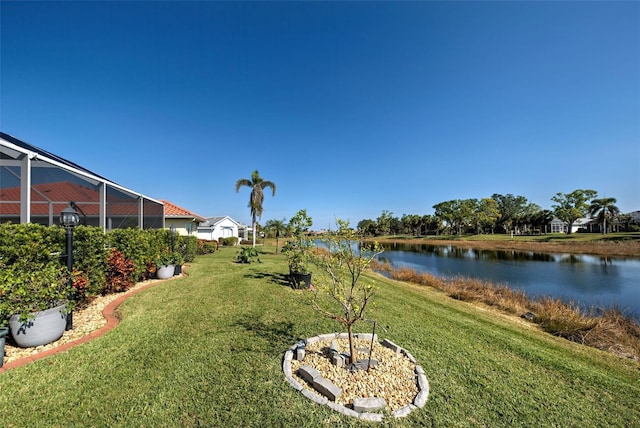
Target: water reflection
[[460, 252], [586, 280]]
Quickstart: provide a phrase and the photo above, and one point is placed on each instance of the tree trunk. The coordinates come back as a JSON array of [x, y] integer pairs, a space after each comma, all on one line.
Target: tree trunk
[[352, 345], [254, 232]]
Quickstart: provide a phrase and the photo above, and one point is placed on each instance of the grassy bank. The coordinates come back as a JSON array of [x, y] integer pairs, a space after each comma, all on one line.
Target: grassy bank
[[207, 350], [607, 329]]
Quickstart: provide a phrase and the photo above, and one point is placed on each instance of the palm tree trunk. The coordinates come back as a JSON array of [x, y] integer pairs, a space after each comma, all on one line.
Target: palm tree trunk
[[254, 232]]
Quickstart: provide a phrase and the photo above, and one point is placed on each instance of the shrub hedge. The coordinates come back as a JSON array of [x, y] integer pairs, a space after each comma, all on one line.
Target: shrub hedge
[[23, 246], [231, 241], [206, 247], [90, 257]]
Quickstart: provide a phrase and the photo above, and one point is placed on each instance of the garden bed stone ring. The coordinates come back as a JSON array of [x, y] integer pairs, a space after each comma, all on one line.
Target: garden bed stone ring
[[310, 367]]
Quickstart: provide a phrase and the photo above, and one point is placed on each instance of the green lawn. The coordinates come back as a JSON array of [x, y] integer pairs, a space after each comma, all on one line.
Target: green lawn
[[206, 350]]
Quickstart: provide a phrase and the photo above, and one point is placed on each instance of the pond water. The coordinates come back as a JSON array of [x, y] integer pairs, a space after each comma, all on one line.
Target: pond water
[[586, 280]]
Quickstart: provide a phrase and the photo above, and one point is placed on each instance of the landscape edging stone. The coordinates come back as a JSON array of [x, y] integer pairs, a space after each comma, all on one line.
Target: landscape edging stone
[[421, 380]]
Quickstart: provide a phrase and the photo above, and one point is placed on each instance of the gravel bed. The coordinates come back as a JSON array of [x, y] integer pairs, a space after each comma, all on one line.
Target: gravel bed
[[393, 378]]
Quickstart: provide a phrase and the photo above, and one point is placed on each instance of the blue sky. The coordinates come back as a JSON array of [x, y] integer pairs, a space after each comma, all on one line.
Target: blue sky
[[351, 108]]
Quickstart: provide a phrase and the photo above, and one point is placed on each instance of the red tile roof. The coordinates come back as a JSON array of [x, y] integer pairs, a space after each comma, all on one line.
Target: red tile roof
[[60, 194], [174, 211]]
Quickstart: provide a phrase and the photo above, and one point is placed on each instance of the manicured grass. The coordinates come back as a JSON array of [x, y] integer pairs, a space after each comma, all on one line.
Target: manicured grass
[[206, 350]]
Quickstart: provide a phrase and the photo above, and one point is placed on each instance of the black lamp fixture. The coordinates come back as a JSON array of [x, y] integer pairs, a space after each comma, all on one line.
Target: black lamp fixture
[[69, 218]]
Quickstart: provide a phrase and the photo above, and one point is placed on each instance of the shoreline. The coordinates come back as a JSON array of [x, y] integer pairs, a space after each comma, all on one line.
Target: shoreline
[[595, 248]]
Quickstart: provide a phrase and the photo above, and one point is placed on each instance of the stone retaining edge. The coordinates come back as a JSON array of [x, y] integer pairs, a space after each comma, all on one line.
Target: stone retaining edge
[[421, 381]]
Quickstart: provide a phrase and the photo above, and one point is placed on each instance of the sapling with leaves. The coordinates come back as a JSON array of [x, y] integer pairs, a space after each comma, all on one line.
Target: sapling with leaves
[[298, 249], [247, 254], [341, 292]]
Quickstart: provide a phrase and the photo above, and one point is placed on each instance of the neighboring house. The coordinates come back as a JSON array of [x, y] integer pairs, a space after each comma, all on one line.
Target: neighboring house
[[580, 225], [558, 226], [181, 220], [243, 231], [215, 228]]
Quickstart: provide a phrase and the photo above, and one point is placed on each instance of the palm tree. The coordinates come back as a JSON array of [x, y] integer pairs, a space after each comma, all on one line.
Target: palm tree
[[257, 185], [603, 208], [277, 227]]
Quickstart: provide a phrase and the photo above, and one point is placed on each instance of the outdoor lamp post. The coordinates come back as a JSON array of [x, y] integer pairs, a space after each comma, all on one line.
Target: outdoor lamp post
[[173, 237], [69, 218]]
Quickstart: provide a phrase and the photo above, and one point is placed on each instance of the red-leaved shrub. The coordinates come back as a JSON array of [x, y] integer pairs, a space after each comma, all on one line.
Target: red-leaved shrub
[[119, 273], [80, 284]]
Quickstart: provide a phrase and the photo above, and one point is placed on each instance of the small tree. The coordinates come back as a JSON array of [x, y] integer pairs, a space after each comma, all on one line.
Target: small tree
[[367, 227], [510, 208], [298, 249], [341, 293], [603, 209], [257, 185], [277, 227], [486, 214]]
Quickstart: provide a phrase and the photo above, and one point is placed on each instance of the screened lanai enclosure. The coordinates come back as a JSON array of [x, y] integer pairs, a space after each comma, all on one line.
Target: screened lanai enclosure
[[35, 186]]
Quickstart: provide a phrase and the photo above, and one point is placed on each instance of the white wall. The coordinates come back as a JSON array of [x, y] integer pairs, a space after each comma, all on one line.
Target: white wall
[[226, 228], [181, 226]]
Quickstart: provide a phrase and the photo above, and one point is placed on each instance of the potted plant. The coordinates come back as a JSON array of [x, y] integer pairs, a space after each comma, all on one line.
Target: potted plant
[[166, 264], [178, 261], [298, 256], [36, 299], [298, 250]]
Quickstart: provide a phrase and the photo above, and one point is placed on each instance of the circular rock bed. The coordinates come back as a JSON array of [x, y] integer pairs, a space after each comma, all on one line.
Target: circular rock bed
[[394, 384]]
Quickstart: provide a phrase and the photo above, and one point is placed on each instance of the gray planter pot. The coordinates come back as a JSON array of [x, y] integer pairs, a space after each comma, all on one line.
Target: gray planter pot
[[165, 272], [4, 331], [43, 327], [299, 280]]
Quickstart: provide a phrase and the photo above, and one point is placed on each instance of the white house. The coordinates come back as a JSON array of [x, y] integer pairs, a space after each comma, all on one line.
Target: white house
[[215, 228], [244, 230], [559, 226]]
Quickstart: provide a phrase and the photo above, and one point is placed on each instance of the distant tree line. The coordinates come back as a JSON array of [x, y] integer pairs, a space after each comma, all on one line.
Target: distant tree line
[[497, 214], [502, 214]]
